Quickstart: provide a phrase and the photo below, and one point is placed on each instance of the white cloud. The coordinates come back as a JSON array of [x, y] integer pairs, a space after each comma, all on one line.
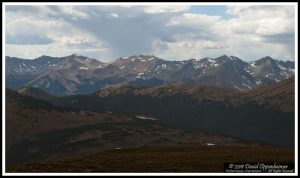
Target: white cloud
[[266, 11], [29, 35], [114, 15], [55, 49], [158, 9], [73, 12], [188, 49], [194, 20], [263, 30], [57, 30], [201, 44], [170, 32], [78, 40], [256, 31], [264, 20]]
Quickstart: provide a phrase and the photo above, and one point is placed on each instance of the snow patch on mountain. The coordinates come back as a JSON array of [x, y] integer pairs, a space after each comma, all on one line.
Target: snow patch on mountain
[[292, 70], [246, 86], [283, 73], [83, 68], [259, 82], [197, 65], [140, 75], [238, 88], [252, 64], [145, 118], [210, 144], [282, 67], [251, 73], [121, 67], [211, 61], [268, 75]]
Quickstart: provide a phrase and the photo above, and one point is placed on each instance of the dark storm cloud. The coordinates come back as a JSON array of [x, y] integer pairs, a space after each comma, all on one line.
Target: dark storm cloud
[[126, 34]]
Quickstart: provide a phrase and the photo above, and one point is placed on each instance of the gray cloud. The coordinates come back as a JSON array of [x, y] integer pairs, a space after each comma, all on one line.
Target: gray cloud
[[114, 31], [127, 35], [21, 8], [284, 38], [26, 39]]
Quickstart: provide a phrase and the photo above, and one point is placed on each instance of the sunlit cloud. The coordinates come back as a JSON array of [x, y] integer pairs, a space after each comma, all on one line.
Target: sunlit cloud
[[169, 32]]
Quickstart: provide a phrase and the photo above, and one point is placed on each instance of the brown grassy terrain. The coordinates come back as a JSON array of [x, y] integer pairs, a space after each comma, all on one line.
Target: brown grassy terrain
[[263, 114], [38, 131], [41, 137], [177, 159], [277, 95]]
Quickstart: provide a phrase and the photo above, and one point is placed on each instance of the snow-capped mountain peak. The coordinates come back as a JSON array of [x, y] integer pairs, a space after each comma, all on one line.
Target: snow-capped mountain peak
[[74, 74]]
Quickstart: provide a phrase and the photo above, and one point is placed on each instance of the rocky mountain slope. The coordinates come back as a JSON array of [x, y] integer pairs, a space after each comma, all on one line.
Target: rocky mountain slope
[[77, 74]]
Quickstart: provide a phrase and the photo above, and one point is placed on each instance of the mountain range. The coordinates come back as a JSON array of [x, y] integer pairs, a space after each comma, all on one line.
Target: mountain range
[[76, 74], [74, 107]]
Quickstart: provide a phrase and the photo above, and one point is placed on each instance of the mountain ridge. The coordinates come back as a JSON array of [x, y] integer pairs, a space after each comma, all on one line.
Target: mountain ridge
[[75, 74], [246, 115]]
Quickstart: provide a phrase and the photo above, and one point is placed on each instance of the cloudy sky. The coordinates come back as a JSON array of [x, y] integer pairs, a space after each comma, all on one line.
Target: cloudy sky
[[172, 32]]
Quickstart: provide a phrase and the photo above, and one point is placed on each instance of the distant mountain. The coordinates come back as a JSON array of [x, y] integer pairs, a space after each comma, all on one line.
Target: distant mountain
[[264, 114], [59, 76], [76, 74]]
